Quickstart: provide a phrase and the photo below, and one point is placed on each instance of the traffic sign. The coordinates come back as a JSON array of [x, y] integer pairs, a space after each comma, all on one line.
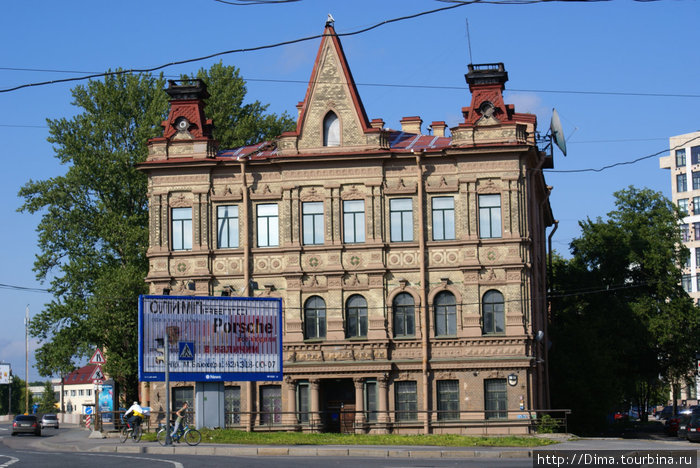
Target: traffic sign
[[97, 358], [186, 350], [97, 375]]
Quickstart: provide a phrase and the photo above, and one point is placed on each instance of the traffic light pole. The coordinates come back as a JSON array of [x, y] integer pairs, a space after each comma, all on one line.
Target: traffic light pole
[[168, 439]]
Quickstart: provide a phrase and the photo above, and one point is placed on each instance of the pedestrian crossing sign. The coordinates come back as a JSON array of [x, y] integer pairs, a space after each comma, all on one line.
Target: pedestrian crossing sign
[[185, 350]]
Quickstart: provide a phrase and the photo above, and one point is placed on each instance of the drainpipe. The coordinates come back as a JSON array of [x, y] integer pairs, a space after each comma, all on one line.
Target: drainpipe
[[246, 229], [423, 289], [547, 400]]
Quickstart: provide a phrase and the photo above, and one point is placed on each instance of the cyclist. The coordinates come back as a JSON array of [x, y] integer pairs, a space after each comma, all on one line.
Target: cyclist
[[180, 414], [134, 415]]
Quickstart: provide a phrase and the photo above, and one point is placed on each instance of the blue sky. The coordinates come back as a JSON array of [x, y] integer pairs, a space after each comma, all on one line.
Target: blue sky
[[605, 55]]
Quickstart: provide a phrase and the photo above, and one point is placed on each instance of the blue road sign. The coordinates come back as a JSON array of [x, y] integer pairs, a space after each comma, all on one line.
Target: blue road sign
[[185, 351]]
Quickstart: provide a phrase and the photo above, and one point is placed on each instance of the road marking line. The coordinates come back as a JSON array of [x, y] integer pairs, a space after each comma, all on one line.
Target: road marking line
[[9, 462]]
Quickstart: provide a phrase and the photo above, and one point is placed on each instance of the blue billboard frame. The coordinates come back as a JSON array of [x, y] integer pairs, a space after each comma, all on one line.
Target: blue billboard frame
[[201, 376]]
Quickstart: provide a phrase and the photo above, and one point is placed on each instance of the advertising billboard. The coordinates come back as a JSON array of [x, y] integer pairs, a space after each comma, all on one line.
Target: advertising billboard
[[210, 338], [4, 373]]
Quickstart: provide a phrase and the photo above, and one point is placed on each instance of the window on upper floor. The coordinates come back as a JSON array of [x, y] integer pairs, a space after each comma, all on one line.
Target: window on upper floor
[[696, 205], [695, 155], [681, 183], [680, 157], [331, 130], [696, 180], [227, 226], [683, 206], [356, 317], [353, 221], [404, 312], [443, 218], [685, 232], [493, 308], [268, 225], [401, 219], [312, 222], [181, 228], [489, 216], [314, 318], [445, 308], [687, 283]]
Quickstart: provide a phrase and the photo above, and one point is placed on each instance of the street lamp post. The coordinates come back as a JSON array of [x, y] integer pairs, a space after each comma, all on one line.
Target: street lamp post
[[26, 360]]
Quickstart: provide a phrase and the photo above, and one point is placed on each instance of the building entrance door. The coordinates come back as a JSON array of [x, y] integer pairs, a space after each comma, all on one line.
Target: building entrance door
[[337, 397]]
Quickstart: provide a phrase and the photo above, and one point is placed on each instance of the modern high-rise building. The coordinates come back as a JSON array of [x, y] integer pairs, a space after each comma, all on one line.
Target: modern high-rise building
[[411, 265]]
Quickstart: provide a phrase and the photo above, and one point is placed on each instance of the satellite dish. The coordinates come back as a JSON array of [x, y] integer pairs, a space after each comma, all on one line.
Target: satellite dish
[[557, 133]]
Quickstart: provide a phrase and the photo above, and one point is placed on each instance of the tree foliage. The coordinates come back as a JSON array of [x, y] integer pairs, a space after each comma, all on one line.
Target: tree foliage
[[620, 317], [93, 232], [47, 402]]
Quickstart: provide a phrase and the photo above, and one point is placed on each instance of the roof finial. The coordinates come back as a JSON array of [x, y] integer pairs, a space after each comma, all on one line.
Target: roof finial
[[330, 20]]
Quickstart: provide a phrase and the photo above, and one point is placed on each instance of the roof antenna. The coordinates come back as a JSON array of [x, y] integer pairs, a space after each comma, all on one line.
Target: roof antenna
[[469, 41]]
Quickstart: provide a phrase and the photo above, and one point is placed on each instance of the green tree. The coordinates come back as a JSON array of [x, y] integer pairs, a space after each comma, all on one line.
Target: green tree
[[93, 233], [620, 317], [47, 403], [17, 393]]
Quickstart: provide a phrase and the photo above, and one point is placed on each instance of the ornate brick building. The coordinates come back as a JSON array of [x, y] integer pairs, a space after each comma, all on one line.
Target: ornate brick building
[[411, 267]]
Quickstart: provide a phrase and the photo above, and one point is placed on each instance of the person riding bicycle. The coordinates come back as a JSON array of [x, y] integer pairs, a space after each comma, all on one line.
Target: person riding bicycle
[[134, 415], [180, 414]]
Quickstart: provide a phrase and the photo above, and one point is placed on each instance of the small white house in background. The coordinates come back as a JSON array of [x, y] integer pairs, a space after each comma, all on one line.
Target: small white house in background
[[37, 391], [78, 390]]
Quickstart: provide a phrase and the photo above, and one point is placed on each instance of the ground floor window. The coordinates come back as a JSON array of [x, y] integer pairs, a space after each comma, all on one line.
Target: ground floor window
[[371, 400], [447, 399], [406, 397], [232, 406], [271, 404], [303, 402], [182, 395], [495, 398]]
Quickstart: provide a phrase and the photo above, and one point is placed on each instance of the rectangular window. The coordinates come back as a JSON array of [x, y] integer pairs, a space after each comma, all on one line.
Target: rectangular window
[[401, 219], [270, 404], [697, 259], [685, 232], [443, 218], [683, 206], [81, 392], [489, 216], [696, 180], [681, 183], [448, 399], [88, 392], [495, 398], [182, 228], [180, 395], [687, 283], [696, 205], [268, 225], [696, 231], [312, 222], [72, 393], [227, 226], [353, 221], [303, 402], [680, 157], [695, 155], [232, 406], [371, 400], [697, 283], [406, 397]]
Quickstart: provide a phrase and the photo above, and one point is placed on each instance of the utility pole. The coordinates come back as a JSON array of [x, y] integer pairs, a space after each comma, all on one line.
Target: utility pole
[[26, 360]]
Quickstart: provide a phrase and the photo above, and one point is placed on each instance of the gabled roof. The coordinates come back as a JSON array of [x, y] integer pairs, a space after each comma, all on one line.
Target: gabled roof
[[80, 376]]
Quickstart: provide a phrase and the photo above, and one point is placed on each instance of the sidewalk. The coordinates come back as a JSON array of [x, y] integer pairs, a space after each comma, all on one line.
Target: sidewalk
[[76, 440]]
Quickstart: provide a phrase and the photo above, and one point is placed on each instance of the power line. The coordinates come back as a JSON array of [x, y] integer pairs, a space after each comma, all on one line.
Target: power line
[[249, 49], [22, 288]]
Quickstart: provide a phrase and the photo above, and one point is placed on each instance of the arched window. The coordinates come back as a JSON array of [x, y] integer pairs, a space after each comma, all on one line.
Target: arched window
[[356, 316], [331, 130], [445, 314], [494, 313], [404, 315], [314, 318]]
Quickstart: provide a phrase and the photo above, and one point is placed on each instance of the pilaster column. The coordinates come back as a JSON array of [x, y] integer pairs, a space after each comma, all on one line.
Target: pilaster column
[[314, 417], [359, 405], [289, 402], [383, 416]]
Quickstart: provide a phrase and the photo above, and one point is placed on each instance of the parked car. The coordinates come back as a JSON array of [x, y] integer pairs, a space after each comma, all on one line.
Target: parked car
[[671, 424], [683, 420], [665, 413], [49, 420], [692, 428], [26, 424]]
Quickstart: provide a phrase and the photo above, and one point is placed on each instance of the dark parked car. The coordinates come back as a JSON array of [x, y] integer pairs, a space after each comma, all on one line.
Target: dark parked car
[[26, 424], [683, 420], [692, 427], [49, 420]]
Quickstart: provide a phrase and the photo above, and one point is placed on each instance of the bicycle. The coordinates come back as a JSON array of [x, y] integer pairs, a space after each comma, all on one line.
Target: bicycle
[[129, 432], [189, 435]]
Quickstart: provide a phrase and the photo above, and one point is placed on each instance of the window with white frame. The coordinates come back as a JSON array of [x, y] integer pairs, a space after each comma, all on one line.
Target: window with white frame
[[268, 225], [681, 183], [680, 157], [353, 221], [683, 206], [489, 216], [443, 218], [227, 226], [401, 219], [312, 222], [181, 228]]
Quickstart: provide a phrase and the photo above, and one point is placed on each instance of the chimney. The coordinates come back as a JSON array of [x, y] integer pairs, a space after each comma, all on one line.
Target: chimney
[[438, 128], [411, 125], [377, 123]]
